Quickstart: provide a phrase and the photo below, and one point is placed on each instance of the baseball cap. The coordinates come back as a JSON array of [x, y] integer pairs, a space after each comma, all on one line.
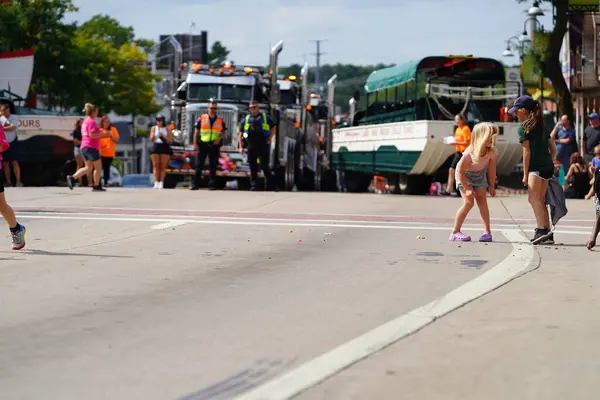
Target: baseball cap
[[593, 115], [525, 102]]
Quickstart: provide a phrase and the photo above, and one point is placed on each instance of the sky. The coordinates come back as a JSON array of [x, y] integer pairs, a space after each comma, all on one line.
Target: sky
[[353, 32]]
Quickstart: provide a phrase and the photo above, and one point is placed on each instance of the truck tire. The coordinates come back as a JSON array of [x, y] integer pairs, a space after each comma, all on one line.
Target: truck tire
[[414, 184], [357, 182], [171, 181], [290, 170]]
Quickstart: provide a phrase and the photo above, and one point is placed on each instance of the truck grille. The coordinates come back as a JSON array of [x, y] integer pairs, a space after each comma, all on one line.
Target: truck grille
[[230, 117]]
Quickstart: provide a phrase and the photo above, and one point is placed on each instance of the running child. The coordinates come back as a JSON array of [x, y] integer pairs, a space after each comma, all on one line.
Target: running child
[[474, 171], [17, 231]]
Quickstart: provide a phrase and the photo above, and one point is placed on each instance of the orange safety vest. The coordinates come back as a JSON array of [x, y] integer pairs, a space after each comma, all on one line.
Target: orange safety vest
[[210, 133]]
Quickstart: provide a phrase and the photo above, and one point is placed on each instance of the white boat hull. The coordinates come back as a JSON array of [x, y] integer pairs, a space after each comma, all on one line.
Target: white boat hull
[[412, 147]]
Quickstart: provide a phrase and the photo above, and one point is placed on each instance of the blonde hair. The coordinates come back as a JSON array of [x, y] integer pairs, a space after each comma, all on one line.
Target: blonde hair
[[597, 149], [89, 109], [479, 138]]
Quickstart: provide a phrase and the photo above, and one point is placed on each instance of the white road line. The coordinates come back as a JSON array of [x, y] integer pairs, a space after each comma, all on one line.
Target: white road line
[[170, 224], [88, 218], [317, 370], [17, 208], [576, 230]]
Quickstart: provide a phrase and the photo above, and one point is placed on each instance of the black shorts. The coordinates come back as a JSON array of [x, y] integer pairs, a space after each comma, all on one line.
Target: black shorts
[[544, 174], [12, 153], [1, 180], [90, 154], [161, 148], [456, 159]]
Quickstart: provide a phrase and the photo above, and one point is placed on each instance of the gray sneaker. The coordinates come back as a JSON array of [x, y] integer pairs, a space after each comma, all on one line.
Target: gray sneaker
[[542, 236], [18, 238]]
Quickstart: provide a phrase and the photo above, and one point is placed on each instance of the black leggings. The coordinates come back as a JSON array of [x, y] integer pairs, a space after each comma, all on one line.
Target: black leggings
[[106, 163]]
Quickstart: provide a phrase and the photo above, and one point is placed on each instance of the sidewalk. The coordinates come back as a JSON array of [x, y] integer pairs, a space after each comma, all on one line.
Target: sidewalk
[[535, 338]]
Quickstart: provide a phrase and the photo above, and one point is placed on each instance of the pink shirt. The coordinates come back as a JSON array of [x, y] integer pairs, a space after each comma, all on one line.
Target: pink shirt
[[480, 164], [3, 143], [89, 126]]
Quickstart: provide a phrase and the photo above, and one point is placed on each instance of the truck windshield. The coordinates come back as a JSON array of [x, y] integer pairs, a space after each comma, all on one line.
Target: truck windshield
[[236, 92], [203, 91]]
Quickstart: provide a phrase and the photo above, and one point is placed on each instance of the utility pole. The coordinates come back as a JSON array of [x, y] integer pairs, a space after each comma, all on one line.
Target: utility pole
[[318, 54], [190, 54]]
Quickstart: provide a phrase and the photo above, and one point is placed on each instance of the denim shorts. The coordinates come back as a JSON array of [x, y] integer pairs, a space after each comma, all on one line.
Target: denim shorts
[[477, 180], [76, 151], [90, 154]]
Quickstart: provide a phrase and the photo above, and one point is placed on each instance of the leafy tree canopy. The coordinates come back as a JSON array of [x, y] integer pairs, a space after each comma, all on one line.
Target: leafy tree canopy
[[351, 79], [218, 53], [99, 61]]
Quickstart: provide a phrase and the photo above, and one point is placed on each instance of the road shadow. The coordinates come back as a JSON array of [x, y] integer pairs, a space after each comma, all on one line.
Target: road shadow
[[60, 253], [241, 382]]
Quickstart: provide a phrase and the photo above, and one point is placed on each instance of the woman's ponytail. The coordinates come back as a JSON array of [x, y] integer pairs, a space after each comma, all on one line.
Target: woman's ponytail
[[535, 119]]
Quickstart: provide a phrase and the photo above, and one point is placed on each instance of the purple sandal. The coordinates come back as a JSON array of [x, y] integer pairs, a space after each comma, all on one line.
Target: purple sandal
[[460, 237], [486, 237]]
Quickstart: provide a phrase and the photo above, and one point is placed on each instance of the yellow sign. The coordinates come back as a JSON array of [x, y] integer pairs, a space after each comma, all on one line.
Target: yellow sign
[[584, 5]]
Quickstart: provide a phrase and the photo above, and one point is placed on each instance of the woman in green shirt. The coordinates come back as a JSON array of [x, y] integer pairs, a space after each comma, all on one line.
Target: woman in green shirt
[[538, 168]]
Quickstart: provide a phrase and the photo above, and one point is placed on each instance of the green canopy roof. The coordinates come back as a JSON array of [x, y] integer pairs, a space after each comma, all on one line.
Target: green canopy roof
[[392, 76]]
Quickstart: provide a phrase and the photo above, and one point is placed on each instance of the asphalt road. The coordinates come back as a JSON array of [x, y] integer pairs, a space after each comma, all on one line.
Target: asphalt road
[[144, 294]]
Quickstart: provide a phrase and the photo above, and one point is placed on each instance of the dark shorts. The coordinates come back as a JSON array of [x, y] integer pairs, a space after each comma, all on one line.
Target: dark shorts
[[90, 154], [544, 174], [161, 148], [1, 180], [456, 159], [12, 153]]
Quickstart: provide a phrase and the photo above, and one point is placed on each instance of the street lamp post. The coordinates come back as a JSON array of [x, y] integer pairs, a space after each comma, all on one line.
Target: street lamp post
[[521, 43]]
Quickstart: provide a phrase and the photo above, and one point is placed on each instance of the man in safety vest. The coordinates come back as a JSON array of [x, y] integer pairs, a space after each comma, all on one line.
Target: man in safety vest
[[208, 134], [258, 129]]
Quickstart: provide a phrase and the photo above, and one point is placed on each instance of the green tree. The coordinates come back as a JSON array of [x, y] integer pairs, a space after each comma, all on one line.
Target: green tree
[[132, 89], [117, 79], [27, 23], [108, 29], [105, 27], [37, 25], [218, 53], [97, 62], [116, 67], [351, 78], [546, 52]]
